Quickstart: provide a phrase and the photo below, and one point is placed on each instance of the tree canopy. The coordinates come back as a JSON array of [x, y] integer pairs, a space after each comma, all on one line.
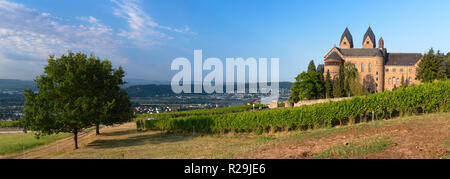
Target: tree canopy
[[328, 85], [311, 66], [431, 67], [447, 64], [352, 84], [76, 92], [308, 85]]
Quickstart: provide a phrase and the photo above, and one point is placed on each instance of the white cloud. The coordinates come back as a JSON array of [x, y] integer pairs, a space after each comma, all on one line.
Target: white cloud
[[31, 34], [89, 19], [142, 27], [28, 36]]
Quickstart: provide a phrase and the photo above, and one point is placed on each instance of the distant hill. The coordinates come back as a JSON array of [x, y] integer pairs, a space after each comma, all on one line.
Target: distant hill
[[135, 81], [9, 84], [151, 90], [142, 89]]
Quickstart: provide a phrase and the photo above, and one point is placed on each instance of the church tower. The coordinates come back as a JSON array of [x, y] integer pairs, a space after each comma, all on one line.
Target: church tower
[[369, 39], [346, 39], [381, 43]]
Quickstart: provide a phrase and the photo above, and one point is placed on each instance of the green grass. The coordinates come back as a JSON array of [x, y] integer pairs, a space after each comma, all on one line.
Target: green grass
[[357, 149], [318, 133], [265, 138], [15, 143]]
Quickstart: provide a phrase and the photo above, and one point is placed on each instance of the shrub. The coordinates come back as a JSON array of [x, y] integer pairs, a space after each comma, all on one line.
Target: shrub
[[9, 124]]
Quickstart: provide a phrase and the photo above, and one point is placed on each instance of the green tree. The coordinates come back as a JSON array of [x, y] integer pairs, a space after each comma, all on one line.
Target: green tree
[[74, 93], [356, 88], [322, 82], [338, 88], [351, 79], [112, 100], [294, 96], [328, 86], [311, 67], [403, 83], [447, 63], [338, 84], [431, 67], [308, 86]]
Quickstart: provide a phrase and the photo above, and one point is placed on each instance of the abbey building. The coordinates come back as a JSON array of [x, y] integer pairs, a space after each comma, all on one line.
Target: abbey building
[[378, 69]]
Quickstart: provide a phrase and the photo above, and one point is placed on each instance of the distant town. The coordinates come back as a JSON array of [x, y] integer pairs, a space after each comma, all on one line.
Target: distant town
[[146, 99]]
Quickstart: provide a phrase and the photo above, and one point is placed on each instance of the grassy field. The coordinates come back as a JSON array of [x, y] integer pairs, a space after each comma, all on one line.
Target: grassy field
[[424, 136], [17, 142], [357, 149]]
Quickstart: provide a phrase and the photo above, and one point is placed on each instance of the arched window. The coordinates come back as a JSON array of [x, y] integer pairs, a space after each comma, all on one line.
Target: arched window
[[410, 80], [393, 81], [389, 81]]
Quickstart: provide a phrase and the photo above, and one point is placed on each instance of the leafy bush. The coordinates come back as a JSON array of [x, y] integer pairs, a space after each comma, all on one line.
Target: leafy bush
[[139, 125], [9, 124], [427, 98]]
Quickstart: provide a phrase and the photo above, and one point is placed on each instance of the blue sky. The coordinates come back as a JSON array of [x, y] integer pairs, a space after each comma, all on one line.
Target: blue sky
[[145, 36]]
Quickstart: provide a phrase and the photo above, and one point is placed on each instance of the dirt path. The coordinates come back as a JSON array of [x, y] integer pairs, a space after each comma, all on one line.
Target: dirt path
[[10, 131]]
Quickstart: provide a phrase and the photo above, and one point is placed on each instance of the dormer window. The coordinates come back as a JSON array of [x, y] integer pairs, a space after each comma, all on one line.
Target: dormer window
[[367, 42]]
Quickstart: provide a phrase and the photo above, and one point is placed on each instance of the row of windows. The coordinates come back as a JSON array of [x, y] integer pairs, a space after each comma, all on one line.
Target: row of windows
[[395, 70], [396, 81], [362, 67]]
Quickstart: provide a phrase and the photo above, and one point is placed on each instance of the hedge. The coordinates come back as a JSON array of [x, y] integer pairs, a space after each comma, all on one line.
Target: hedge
[[426, 98], [9, 124]]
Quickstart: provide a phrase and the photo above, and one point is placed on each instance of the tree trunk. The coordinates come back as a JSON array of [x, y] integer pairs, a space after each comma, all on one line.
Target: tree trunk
[[97, 129], [75, 138], [351, 121]]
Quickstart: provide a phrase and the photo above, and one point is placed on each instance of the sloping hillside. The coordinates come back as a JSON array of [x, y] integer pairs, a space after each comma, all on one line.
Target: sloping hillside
[[423, 136]]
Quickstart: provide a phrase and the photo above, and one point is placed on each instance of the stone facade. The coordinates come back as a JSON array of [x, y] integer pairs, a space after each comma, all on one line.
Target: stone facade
[[378, 69]]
